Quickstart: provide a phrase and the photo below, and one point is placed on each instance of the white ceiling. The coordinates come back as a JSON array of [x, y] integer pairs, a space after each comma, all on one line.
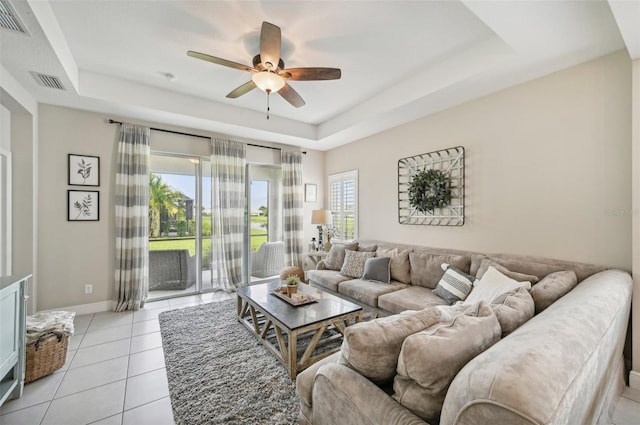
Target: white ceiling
[[400, 60]]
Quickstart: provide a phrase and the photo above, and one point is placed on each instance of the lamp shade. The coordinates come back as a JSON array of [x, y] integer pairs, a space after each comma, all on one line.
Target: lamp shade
[[268, 81], [321, 217]]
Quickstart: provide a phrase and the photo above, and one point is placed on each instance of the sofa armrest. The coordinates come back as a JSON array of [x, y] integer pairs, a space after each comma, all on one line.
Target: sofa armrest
[[343, 396]]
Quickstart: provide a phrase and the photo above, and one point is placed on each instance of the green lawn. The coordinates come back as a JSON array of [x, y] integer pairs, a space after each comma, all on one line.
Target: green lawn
[[258, 237]]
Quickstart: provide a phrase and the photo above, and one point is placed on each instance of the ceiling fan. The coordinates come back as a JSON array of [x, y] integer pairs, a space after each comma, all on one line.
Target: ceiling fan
[[269, 73]]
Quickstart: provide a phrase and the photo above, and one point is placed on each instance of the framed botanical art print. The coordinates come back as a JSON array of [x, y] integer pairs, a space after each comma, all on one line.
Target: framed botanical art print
[[310, 192], [84, 170], [83, 205]]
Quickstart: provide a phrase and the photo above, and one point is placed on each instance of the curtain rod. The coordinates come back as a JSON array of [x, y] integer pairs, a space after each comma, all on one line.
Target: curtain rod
[[198, 135]]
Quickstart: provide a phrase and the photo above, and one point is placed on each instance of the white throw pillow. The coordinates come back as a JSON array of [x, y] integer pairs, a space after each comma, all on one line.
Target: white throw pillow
[[492, 285]]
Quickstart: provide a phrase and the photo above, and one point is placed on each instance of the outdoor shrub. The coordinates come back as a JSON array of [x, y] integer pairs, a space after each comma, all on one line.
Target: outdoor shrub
[[207, 256], [206, 226], [165, 229], [191, 227], [181, 228]]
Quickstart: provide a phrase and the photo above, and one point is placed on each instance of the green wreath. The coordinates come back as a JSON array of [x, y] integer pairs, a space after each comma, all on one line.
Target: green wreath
[[430, 189]]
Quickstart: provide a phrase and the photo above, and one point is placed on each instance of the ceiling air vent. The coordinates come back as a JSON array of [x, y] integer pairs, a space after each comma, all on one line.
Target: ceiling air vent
[[48, 80], [9, 19]]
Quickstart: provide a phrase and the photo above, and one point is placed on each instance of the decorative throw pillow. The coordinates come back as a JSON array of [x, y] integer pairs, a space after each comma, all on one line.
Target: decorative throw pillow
[[354, 263], [377, 268], [372, 348], [421, 385], [400, 269], [454, 285], [426, 267], [513, 309], [552, 288], [492, 285], [520, 277], [335, 257]]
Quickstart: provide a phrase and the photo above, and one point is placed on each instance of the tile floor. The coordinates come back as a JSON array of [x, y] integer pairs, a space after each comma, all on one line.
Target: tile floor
[[115, 375]]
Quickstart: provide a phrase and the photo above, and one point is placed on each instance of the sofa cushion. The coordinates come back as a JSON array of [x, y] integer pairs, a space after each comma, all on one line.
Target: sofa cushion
[[411, 298], [377, 269], [454, 285], [372, 348], [426, 267], [421, 385], [513, 309], [520, 277], [552, 287], [329, 279], [492, 285], [368, 291], [367, 246], [353, 265], [400, 268], [335, 257]]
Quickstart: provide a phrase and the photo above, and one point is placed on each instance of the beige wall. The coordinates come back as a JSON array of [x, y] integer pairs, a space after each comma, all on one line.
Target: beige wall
[[72, 254], [548, 169]]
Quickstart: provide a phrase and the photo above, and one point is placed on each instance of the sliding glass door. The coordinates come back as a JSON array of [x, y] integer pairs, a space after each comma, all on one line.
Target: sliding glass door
[[264, 241]]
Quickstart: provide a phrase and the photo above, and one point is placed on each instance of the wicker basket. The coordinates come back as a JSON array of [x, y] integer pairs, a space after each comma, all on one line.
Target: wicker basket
[[46, 355]]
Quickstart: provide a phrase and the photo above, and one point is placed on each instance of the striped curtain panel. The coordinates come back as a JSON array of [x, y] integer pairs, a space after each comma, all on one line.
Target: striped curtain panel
[[228, 198], [292, 211], [132, 218]]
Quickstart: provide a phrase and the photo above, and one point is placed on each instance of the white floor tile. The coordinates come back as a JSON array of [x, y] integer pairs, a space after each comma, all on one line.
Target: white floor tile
[[87, 406], [75, 340], [145, 342], [111, 420], [145, 388], [184, 300], [101, 352], [95, 375], [146, 361], [67, 362], [109, 319], [106, 335], [146, 327], [149, 314], [157, 304], [35, 392], [29, 416], [156, 413], [627, 412], [189, 304], [81, 323]]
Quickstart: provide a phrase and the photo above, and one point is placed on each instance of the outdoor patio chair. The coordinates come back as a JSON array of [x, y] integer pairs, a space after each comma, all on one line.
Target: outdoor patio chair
[[268, 260]]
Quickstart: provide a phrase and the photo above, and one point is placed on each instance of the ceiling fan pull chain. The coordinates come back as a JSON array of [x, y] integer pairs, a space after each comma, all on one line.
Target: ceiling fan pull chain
[[268, 97]]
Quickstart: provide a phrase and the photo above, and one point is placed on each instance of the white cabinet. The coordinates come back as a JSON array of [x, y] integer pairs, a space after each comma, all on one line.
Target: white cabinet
[[13, 308]]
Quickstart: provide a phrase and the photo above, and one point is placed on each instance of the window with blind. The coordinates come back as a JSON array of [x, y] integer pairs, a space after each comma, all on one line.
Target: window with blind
[[343, 203]]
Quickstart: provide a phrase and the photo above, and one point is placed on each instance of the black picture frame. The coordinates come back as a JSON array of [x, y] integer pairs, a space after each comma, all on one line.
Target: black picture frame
[[83, 205], [84, 170]]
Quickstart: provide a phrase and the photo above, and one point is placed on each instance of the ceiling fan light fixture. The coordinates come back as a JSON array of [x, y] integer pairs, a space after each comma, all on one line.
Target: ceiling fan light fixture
[[267, 81]]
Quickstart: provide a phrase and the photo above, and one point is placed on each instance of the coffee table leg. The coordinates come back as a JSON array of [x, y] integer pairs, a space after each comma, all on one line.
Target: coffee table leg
[[292, 358]]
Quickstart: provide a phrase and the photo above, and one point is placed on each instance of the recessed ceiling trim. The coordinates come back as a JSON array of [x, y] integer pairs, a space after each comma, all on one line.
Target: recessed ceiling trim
[[9, 19], [50, 81]]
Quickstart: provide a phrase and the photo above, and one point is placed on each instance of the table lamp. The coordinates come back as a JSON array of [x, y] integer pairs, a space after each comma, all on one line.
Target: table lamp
[[321, 218]]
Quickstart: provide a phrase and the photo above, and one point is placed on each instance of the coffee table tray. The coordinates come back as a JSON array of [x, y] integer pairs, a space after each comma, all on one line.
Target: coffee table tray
[[307, 300]]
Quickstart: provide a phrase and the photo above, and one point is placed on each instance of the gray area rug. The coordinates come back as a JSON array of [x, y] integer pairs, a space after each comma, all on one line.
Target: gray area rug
[[219, 373]]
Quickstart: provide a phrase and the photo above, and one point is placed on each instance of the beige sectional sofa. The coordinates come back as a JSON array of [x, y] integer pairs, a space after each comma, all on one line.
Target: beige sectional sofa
[[563, 366]]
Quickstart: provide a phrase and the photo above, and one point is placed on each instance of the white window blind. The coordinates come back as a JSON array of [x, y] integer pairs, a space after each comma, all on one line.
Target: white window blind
[[343, 203]]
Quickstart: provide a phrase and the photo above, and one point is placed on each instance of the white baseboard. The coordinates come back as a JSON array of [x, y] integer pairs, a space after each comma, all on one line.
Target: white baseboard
[[634, 380], [87, 308]]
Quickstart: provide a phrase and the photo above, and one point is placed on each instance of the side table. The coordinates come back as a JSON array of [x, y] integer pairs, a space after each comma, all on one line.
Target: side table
[[314, 256]]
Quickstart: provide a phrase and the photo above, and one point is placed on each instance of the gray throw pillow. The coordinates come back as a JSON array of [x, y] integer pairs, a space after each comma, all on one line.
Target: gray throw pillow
[[372, 348], [454, 285], [552, 287], [426, 268], [430, 359], [513, 309], [520, 277], [377, 268], [335, 257], [353, 265]]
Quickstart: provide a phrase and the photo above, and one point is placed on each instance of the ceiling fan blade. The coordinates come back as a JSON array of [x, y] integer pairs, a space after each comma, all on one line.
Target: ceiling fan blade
[[291, 96], [270, 42], [243, 89], [220, 61], [309, 74]]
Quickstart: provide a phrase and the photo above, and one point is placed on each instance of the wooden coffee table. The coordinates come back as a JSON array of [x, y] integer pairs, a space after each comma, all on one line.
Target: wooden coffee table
[[280, 325]]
